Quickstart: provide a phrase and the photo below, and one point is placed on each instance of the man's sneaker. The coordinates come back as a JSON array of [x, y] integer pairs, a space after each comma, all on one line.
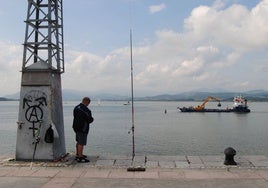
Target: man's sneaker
[[82, 160]]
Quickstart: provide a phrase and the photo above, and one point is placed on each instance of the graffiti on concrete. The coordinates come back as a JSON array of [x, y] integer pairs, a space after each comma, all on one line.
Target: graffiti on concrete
[[33, 102]]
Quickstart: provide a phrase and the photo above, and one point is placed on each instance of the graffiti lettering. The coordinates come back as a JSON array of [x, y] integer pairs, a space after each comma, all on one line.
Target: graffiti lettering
[[34, 101]]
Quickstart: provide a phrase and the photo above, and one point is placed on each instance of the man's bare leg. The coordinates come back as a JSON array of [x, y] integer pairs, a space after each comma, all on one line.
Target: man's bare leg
[[79, 149]]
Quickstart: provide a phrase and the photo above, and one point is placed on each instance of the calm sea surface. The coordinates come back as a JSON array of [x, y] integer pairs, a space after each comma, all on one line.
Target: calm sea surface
[[156, 133]]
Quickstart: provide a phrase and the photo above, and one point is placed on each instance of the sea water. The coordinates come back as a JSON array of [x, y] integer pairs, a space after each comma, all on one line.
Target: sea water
[[160, 129]]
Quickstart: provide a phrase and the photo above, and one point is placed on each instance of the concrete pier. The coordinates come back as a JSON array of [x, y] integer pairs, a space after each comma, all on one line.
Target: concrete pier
[[40, 108], [40, 132], [161, 171]]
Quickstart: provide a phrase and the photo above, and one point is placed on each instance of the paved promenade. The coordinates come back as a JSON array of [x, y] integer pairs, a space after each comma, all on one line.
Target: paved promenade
[[161, 171]]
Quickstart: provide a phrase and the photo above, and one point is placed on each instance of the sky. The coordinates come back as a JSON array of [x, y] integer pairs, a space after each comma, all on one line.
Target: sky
[[178, 46]]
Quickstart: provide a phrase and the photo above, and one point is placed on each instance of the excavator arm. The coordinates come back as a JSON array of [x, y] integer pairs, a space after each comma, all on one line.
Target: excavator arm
[[202, 106]]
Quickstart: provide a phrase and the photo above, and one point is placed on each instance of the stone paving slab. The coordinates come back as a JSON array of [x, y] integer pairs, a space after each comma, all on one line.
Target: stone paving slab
[[108, 162], [152, 164], [167, 164], [263, 174], [115, 157], [246, 174], [221, 174], [22, 172], [182, 164], [171, 174], [62, 177], [22, 182], [147, 183], [212, 158], [97, 173], [194, 160], [196, 166], [122, 174], [157, 173], [257, 160], [140, 158], [139, 161], [5, 170], [123, 163], [165, 158], [195, 174], [146, 161], [148, 174], [71, 173], [214, 164], [60, 182], [45, 173]]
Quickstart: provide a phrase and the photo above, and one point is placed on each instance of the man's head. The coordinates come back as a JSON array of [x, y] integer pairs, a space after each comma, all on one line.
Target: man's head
[[86, 101]]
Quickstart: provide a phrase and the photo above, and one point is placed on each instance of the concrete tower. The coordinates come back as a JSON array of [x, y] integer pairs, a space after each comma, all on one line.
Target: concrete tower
[[40, 132]]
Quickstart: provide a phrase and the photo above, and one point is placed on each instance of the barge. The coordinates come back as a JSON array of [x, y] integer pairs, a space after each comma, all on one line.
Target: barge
[[239, 106]]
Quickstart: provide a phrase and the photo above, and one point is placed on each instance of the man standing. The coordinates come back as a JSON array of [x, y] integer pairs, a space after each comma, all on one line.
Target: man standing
[[82, 119]]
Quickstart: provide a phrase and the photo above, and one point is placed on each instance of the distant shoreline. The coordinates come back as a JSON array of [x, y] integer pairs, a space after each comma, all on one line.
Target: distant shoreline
[[73, 95], [146, 100], [7, 99]]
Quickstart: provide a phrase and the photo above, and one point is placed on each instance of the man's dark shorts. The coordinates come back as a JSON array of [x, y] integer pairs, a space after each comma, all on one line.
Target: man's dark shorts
[[81, 138]]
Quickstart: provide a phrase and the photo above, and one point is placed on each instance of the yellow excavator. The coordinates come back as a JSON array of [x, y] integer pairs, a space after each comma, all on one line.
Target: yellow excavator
[[202, 106]]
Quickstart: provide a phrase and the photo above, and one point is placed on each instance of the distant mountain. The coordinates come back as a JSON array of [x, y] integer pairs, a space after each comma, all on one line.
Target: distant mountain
[[3, 99], [256, 95], [14, 96], [71, 95], [6, 99]]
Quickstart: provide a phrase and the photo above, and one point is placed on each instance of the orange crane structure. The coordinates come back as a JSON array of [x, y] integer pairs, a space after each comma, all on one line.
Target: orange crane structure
[[202, 106]]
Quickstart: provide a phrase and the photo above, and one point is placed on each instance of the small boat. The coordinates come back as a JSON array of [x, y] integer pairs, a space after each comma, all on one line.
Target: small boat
[[127, 103]]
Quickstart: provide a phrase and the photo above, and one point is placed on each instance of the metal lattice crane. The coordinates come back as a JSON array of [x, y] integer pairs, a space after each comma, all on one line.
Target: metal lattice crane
[[44, 34]]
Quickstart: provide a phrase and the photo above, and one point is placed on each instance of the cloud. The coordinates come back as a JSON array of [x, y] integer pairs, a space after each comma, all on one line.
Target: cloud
[[89, 72], [157, 8], [213, 48], [218, 47], [235, 27]]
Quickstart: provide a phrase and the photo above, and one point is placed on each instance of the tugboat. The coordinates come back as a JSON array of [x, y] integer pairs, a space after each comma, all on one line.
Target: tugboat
[[240, 105]]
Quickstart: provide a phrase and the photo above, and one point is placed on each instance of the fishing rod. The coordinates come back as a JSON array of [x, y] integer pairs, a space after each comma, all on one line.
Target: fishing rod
[[132, 99], [133, 168]]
